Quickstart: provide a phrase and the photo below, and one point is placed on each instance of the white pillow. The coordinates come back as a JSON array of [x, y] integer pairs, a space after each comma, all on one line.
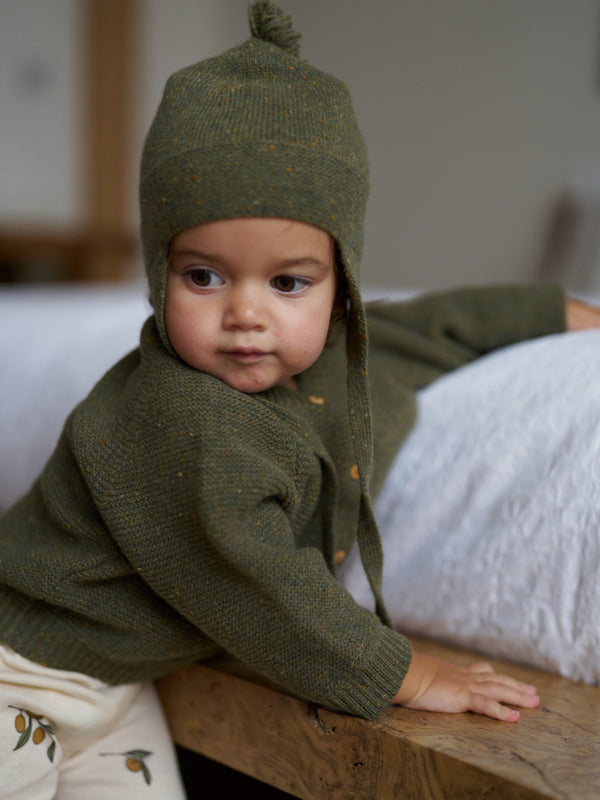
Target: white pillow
[[54, 345]]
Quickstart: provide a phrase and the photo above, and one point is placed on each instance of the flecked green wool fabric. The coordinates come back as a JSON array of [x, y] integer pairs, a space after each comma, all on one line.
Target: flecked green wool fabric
[[179, 517], [258, 132], [253, 132]]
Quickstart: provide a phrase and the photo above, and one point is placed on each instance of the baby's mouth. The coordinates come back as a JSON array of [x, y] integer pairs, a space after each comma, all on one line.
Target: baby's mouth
[[246, 355]]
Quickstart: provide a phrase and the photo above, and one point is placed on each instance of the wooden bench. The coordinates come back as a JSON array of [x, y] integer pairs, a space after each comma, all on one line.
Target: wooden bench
[[219, 709]]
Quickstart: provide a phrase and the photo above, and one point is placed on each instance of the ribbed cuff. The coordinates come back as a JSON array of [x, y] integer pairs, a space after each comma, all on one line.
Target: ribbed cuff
[[548, 305], [368, 690]]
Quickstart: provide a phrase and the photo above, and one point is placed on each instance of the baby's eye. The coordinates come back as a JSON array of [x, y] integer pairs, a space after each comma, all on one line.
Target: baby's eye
[[289, 284], [204, 278]]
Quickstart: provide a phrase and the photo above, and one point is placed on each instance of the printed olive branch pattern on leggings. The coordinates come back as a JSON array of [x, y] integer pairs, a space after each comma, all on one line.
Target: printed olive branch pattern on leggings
[[134, 761], [32, 728], [27, 723]]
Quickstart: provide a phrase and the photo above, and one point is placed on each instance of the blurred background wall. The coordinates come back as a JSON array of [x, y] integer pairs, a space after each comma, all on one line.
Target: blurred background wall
[[482, 121]]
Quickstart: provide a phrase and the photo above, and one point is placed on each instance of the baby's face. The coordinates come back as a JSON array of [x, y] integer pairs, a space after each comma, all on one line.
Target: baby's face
[[249, 300]]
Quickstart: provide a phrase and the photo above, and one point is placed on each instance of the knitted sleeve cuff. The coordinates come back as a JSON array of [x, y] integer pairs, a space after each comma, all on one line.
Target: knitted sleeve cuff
[[540, 310], [367, 690], [505, 315]]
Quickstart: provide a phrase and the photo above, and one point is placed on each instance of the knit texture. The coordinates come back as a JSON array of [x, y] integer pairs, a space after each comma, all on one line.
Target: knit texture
[[257, 132], [178, 516], [268, 22]]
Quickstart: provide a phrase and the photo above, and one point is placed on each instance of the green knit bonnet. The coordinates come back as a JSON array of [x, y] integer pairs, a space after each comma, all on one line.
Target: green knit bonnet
[[258, 132]]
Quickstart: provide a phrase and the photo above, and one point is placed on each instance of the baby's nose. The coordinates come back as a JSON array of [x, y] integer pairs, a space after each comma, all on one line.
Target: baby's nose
[[245, 309]]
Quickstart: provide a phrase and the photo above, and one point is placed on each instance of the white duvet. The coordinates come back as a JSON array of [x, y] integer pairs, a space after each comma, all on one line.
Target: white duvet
[[490, 515], [54, 345]]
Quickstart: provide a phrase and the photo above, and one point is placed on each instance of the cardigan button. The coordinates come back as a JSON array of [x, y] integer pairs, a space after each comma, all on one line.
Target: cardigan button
[[339, 556]]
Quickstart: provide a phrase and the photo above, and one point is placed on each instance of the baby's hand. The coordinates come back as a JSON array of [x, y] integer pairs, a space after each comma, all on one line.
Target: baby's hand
[[432, 684], [581, 316]]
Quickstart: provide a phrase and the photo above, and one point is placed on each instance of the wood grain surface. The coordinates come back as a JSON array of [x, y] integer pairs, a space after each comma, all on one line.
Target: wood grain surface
[[220, 709]]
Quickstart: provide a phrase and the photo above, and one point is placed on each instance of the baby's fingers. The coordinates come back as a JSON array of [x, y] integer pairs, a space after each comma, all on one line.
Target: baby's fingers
[[490, 697], [480, 666], [524, 691], [488, 707]]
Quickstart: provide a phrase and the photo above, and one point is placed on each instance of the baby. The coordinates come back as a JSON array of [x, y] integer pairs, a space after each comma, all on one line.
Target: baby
[[202, 496]]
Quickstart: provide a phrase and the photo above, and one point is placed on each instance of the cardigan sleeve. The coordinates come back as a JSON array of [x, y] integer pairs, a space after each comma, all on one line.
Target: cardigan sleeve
[[276, 607], [438, 332]]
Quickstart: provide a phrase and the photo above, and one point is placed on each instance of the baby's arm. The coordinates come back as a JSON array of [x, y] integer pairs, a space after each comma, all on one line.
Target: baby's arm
[[432, 684]]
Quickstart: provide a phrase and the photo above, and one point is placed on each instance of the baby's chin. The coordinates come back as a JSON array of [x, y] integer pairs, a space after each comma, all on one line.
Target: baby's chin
[[256, 385], [254, 381], [258, 388]]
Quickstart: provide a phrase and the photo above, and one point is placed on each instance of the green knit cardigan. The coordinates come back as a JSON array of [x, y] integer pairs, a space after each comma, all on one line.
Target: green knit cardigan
[[178, 517]]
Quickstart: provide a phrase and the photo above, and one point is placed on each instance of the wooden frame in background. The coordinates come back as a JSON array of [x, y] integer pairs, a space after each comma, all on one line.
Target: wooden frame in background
[[102, 246]]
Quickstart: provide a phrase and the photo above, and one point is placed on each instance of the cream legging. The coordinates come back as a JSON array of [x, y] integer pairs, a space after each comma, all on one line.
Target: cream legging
[[66, 736]]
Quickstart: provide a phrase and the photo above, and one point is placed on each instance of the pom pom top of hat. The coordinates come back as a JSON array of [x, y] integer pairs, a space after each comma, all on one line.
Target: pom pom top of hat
[[269, 23]]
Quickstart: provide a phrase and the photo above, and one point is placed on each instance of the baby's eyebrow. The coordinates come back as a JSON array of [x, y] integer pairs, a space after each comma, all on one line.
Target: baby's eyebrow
[[188, 253], [304, 261]]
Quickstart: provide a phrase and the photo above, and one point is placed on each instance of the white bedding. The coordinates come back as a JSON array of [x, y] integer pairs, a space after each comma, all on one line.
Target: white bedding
[[54, 345]]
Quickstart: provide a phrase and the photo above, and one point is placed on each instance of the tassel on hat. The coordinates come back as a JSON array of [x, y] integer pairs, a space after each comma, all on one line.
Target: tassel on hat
[[268, 22]]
